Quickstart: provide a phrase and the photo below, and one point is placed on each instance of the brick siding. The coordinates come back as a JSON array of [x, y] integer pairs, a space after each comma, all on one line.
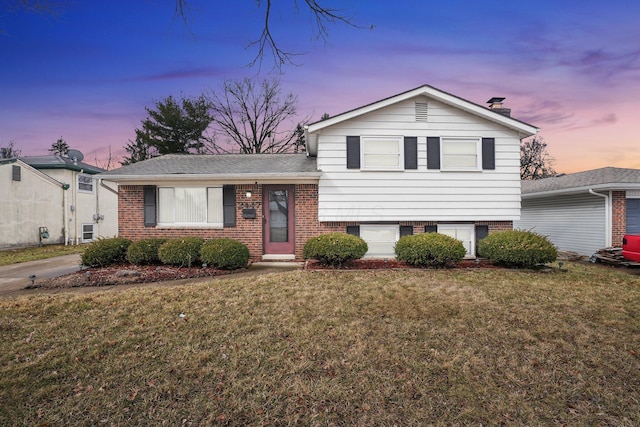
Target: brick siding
[[618, 217], [249, 231]]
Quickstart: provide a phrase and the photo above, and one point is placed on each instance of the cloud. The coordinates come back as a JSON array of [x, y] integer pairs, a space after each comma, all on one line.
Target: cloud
[[207, 72]]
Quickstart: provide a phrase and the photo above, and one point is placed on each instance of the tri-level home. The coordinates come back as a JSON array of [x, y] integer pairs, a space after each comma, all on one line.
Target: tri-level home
[[420, 161]]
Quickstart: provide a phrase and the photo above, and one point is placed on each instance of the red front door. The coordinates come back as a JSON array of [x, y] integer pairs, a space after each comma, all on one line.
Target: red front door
[[278, 224]]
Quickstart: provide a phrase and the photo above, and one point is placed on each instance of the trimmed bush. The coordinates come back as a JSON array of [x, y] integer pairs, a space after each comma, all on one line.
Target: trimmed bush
[[226, 254], [517, 248], [144, 251], [103, 252], [183, 252], [430, 250], [335, 249]]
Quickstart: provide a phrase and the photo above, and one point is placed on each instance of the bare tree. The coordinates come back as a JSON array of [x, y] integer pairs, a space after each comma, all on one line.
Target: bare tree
[[321, 17], [10, 151], [535, 161], [104, 164], [252, 116]]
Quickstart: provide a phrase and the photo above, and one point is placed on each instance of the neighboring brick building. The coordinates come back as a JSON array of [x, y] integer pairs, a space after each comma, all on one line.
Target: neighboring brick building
[[584, 211], [420, 161]]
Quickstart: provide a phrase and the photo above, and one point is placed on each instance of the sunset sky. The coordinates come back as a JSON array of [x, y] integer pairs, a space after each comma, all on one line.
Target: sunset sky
[[571, 68]]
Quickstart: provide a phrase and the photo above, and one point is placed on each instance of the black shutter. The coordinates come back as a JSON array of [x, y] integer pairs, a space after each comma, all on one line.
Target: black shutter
[[410, 152], [16, 173], [149, 197], [406, 230], [229, 205], [488, 153], [433, 152], [353, 152], [430, 228], [482, 231], [354, 230]]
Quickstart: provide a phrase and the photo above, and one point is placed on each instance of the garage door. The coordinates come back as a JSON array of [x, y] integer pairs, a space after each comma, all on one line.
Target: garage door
[[633, 216]]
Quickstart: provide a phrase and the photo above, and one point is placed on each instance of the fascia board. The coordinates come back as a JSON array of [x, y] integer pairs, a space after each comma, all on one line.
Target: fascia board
[[229, 178]]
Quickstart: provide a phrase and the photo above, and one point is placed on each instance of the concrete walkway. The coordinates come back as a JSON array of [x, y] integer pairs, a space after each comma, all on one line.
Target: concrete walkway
[[15, 278]]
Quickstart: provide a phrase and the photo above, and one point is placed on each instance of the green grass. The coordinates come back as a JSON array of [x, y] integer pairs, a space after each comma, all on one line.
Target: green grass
[[415, 347], [13, 256]]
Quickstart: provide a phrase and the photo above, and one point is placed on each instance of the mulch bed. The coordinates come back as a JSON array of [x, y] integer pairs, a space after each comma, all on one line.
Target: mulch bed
[[376, 264], [127, 274]]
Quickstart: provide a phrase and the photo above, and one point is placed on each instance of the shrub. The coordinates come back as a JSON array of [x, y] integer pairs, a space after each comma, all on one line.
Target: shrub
[[184, 251], [517, 248], [144, 251], [226, 254], [430, 250], [335, 249], [103, 252]]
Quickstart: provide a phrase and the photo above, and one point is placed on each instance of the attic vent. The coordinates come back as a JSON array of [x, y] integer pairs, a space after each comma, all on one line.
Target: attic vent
[[16, 173], [421, 112]]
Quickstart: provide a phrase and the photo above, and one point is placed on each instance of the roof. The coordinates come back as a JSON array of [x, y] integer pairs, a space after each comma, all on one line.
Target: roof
[[54, 161], [248, 167], [425, 90], [603, 179]]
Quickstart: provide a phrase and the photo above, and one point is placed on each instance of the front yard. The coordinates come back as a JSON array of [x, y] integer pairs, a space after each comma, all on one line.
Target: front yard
[[405, 347]]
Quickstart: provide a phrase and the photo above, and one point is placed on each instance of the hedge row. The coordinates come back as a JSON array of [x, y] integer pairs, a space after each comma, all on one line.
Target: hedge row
[[226, 254]]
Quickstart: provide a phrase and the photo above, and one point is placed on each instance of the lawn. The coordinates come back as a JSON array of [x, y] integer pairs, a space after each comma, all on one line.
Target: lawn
[[13, 256], [404, 347]]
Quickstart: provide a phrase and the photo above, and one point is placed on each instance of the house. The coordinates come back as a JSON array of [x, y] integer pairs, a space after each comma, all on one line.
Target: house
[[423, 160], [54, 199], [584, 211]]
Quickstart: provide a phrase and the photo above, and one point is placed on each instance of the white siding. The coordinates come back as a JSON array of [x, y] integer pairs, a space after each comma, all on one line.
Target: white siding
[[573, 223], [26, 205], [422, 194]]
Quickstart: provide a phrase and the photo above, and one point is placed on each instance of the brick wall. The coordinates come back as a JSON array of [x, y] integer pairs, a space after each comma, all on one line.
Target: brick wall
[[618, 217], [249, 231]]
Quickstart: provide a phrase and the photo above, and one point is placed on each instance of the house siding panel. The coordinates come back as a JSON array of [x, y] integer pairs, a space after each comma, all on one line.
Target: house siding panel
[[421, 194], [574, 223]]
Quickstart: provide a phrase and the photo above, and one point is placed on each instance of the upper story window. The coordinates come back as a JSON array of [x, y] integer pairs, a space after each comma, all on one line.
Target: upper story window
[[382, 153], [460, 153], [85, 183], [190, 206]]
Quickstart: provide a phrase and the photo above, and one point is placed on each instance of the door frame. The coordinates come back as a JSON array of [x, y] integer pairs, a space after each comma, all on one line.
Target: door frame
[[286, 248]]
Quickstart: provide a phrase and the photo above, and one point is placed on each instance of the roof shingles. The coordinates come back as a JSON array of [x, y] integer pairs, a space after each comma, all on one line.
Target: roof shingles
[[591, 178]]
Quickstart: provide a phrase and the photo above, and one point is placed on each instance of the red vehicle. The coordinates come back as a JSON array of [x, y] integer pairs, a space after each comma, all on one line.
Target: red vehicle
[[631, 247]]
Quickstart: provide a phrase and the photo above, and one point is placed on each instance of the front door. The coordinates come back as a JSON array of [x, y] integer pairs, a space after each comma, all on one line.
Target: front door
[[278, 217]]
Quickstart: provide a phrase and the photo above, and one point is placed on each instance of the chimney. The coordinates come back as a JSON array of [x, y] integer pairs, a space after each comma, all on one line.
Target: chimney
[[495, 104]]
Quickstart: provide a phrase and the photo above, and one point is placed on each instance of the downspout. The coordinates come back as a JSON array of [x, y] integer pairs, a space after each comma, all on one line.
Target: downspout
[[607, 216], [65, 207]]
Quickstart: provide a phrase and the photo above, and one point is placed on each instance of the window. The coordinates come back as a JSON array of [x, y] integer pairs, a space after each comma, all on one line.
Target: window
[[190, 206], [85, 183], [462, 232], [460, 153], [87, 233], [381, 240], [382, 153]]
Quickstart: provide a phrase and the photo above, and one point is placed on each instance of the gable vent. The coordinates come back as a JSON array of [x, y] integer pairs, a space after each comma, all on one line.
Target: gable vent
[[421, 112]]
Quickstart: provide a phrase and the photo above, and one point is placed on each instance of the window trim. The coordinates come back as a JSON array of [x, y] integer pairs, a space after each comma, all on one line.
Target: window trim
[[93, 232], [400, 143], [184, 225], [478, 153], [364, 227], [472, 234], [82, 190]]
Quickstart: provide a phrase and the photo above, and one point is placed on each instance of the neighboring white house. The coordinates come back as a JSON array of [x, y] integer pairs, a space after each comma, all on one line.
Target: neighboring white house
[[584, 211], [54, 199], [422, 160]]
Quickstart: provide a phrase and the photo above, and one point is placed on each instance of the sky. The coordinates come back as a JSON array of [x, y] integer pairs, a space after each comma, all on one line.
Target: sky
[[87, 72]]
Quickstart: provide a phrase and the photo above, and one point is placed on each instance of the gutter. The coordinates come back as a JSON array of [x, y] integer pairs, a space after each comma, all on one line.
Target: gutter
[[607, 216], [623, 186]]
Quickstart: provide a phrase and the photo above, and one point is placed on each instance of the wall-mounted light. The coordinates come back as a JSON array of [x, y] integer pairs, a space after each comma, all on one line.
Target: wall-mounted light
[[249, 194]]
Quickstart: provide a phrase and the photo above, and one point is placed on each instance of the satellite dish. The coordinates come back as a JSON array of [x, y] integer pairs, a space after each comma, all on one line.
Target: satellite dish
[[75, 155]]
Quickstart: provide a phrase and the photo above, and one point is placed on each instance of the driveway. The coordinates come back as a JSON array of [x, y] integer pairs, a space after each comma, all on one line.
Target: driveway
[[16, 276]]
